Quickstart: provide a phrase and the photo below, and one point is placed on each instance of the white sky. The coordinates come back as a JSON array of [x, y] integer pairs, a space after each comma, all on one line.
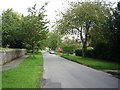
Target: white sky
[[53, 7]]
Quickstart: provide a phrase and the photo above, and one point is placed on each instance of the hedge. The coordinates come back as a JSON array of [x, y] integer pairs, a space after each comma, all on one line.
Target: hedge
[[101, 53]]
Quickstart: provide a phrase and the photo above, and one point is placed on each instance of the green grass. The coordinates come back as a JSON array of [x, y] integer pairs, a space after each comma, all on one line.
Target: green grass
[[93, 63], [5, 48], [0, 80], [27, 75]]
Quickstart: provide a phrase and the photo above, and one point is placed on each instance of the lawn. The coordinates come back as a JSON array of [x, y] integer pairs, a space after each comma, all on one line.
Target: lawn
[[0, 80], [5, 48], [27, 75], [93, 63]]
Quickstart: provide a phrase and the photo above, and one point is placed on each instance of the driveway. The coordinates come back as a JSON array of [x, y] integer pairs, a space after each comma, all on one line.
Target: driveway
[[61, 73]]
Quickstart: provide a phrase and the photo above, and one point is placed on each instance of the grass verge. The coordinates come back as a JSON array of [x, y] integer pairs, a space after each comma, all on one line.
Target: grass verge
[[93, 63], [27, 75], [0, 80]]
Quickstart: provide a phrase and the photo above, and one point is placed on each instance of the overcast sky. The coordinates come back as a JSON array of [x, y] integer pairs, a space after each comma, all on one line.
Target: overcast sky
[[53, 7]]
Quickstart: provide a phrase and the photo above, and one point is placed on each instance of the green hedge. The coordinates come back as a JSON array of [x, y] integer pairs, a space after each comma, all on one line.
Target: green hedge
[[90, 53], [78, 52], [100, 52]]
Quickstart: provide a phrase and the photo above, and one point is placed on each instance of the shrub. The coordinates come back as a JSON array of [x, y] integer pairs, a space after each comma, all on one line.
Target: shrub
[[68, 49], [102, 51], [90, 52], [78, 52]]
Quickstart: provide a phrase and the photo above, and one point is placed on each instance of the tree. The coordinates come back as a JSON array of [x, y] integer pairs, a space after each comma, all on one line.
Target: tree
[[53, 40], [0, 32], [21, 31], [114, 36], [11, 25], [69, 46], [83, 17], [105, 38], [115, 26], [34, 27]]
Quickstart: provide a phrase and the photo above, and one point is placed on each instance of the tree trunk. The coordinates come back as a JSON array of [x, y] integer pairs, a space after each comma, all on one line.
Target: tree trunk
[[32, 48], [84, 50], [84, 40], [33, 51]]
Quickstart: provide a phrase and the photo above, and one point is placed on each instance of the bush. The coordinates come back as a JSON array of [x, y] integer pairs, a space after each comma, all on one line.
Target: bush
[[90, 53], [100, 51], [78, 52], [68, 49]]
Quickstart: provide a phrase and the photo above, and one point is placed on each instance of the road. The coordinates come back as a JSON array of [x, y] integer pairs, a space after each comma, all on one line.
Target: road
[[61, 73]]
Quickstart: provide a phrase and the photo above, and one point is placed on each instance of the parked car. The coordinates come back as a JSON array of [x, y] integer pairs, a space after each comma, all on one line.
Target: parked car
[[52, 52]]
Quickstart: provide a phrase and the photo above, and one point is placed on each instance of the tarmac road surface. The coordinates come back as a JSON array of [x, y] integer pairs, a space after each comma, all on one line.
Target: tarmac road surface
[[61, 73]]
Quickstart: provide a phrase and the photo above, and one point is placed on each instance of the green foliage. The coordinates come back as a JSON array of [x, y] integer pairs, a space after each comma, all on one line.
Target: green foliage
[[114, 37], [97, 26], [24, 31], [84, 18], [53, 40], [69, 46], [34, 27], [107, 38], [101, 51], [78, 52], [11, 27], [27, 75], [90, 52], [0, 31], [68, 49]]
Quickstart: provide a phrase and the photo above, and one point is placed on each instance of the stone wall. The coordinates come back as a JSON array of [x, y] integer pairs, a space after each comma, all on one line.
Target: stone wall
[[10, 54]]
